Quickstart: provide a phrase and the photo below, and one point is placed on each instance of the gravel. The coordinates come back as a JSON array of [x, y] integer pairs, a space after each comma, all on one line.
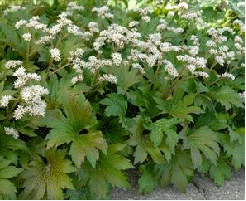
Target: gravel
[[199, 189]]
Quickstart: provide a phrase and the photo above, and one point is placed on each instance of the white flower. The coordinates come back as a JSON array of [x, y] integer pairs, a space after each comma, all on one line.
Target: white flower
[[20, 72], [55, 54], [191, 68], [27, 36], [170, 14], [242, 95], [37, 109], [138, 66], [133, 24], [211, 43], [170, 68], [32, 94], [183, 5], [238, 39], [165, 47], [200, 73], [12, 63], [193, 50], [73, 29], [146, 18], [93, 27], [213, 51], [11, 131], [44, 39], [117, 58], [5, 100], [220, 60], [20, 23], [109, 77], [103, 12], [228, 75], [19, 112], [75, 79], [241, 4]]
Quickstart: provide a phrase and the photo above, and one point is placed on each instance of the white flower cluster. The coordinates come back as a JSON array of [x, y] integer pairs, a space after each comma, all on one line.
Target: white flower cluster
[[221, 52], [195, 40], [162, 26], [5, 100], [27, 37], [77, 53], [240, 24], [93, 64], [55, 54], [229, 75], [30, 95], [183, 5], [103, 12], [34, 105], [93, 27], [138, 66], [242, 95], [170, 68], [115, 34], [11, 131], [155, 38], [77, 78], [33, 23], [133, 24], [135, 55], [167, 46], [61, 23], [241, 4], [117, 58], [23, 77], [13, 9], [13, 64], [73, 6], [144, 14], [196, 17], [109, 78], [44, 39], [193, 63]]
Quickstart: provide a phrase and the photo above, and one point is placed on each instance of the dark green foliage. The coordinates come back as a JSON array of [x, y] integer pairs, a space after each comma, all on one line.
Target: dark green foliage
[[139, 115]]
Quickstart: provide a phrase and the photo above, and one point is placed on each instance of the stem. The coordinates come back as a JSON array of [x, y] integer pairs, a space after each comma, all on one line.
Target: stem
[[27, 51], [59, 69], [12, 108]]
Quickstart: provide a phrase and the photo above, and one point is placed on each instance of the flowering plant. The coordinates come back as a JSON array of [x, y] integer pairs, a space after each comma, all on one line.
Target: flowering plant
[[91, 92]]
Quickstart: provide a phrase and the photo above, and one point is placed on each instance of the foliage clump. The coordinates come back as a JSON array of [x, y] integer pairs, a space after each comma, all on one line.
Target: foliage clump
[[90, 90]]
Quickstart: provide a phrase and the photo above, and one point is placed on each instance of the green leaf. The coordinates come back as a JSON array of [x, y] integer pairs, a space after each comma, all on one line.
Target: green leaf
[[147, 181], [144, 145], [87, 145], [140, 154], [237, 151], [7, 188], [108, 170], [117, 105], [164, 126], [204, 140], [47, 179], [9, 172], [182, 169], [79, 116], [220, 172], [227, 97], [177, 171], [180, 109], [126, 78]]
